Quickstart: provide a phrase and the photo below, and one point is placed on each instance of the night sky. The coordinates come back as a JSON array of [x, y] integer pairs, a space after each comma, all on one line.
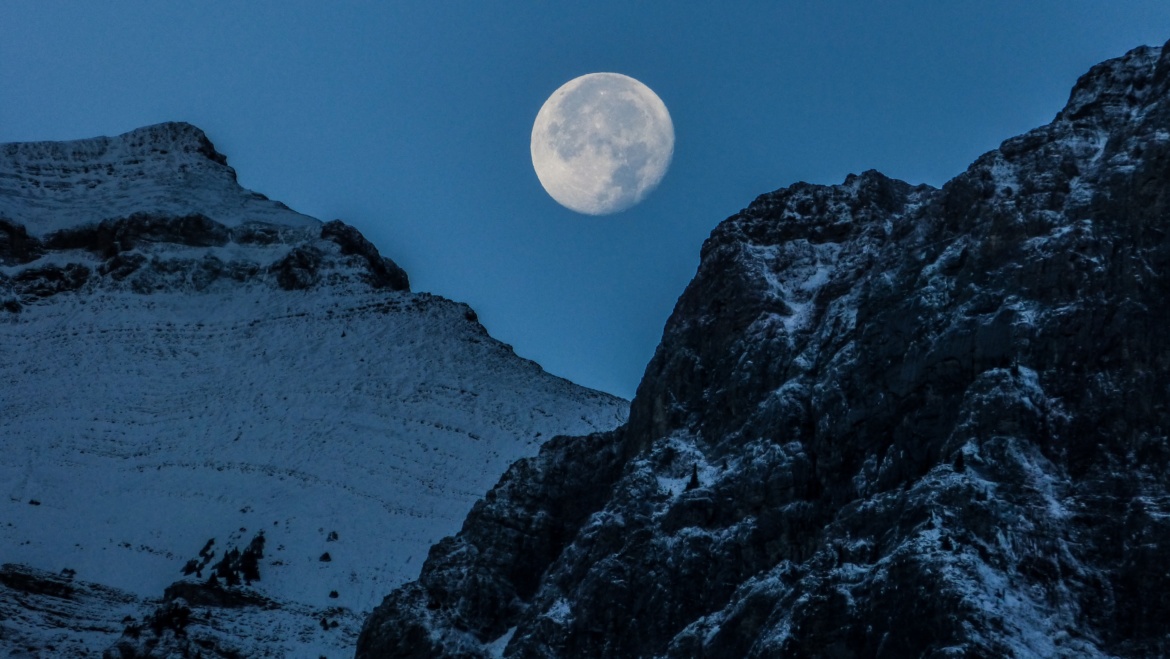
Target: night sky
[[411, 121]]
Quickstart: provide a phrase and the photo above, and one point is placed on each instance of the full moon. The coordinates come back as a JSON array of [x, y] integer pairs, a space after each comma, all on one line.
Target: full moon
[[601, 143]]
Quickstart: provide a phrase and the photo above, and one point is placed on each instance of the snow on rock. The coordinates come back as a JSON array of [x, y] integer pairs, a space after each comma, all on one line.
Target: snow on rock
[[921, 422], [166, 169], [189, 367]]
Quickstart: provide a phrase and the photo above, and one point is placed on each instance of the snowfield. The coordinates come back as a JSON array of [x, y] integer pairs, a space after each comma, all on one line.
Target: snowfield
[[351, 426]]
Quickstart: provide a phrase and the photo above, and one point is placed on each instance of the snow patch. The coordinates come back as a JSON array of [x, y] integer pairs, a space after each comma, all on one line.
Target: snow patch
[[496, 648]]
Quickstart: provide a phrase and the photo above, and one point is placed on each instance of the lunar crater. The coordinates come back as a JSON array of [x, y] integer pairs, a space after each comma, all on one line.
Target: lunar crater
[[601, 143]]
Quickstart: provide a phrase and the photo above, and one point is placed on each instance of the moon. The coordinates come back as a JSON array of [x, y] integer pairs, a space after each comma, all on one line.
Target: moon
[[601, 143]]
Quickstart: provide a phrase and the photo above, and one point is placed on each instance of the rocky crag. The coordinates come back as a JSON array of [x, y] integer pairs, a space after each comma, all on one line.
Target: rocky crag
[[885, 420], [228, 428]]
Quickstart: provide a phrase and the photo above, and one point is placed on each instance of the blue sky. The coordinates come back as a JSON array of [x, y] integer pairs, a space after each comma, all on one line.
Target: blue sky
[[411, 121]]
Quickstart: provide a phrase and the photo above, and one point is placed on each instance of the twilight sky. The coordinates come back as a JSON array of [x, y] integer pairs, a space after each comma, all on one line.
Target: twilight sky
[[411, 121]]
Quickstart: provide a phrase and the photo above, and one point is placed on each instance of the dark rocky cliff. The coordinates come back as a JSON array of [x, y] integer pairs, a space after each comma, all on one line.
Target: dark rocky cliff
[[884, 420]]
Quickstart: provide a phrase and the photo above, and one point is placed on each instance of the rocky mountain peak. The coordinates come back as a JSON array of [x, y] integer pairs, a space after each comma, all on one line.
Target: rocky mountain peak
[[167, 169], [177, 135], [177, 138], [228, 428], [884, 420], [765, 281], [1116, 86], [157, 209]]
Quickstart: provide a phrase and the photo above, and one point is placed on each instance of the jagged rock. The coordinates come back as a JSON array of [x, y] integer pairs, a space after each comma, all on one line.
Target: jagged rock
[[49, 280], [263, 234], [383, 273], [925, 422], [553, 494], [191, 360], [213, 594], [298, 270], [121, 266], [53, 614], [169, 169], [145, 207], [16, 246], [139, 252], [164, 634], [110, 237], [35, 582]]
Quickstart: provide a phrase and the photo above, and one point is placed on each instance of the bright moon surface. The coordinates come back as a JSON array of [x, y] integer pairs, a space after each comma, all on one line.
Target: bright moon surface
[[601, 143]]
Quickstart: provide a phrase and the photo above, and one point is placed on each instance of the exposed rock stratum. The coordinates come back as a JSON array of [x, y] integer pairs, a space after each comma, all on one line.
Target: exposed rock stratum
[[203, 394], [885, 420]]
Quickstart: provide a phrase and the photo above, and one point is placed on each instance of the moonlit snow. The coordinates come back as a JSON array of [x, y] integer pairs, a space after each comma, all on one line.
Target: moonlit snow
[[141, 420]]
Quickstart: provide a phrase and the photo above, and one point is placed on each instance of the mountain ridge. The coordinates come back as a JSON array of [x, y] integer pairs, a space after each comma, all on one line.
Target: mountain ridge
[[192, 365], [884, 420], [170, 169]]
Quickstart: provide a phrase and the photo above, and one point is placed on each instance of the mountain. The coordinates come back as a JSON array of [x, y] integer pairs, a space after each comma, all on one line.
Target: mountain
[[199, 384], [884, 420]]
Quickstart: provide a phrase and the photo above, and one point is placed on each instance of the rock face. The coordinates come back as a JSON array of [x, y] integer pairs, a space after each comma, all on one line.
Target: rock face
[[189, 364], [54, 614], [923, 423]]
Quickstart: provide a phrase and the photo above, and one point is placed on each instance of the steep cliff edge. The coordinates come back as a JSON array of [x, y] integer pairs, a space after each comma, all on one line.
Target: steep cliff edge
[[884, 420], [200, 385]]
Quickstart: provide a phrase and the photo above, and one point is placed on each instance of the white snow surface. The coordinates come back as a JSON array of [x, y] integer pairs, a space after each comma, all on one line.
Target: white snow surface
[[90, 617], [162, 169], [146, 425], [342, 419]]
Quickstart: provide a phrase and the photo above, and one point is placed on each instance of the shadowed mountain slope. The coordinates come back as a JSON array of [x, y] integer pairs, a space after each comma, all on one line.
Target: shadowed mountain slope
[[884, 420], [198, 383]]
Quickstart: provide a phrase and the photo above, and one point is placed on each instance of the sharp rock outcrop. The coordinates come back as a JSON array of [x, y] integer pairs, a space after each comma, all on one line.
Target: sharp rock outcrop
[[885, 420], [159, 209], [190, 364]]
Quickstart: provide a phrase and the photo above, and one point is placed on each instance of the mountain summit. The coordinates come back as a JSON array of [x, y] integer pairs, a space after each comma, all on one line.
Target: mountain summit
[[885, 420], [228, 427], [167, 169]]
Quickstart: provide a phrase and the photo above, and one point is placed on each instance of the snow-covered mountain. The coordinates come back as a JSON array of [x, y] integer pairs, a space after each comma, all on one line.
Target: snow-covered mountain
[[885, 420], [186, 367]]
